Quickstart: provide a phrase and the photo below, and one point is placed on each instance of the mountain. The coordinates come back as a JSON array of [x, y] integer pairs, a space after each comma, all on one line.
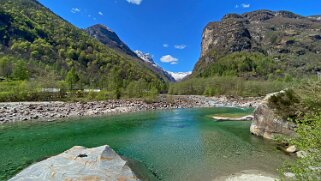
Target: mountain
[[316, 17], [109, 38], [178, 76], [261, 44], [148, 59], [45, 44]]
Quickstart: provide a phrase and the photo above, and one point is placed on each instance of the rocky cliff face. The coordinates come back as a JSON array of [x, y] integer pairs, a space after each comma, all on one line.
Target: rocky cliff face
[[79, 163], [267, 123], [289, 39]]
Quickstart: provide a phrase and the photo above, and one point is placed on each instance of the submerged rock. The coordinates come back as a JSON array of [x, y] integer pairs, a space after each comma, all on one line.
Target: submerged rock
[[267, 123], [79, 163]]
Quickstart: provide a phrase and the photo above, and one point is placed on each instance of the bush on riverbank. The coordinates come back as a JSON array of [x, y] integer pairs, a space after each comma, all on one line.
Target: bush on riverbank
[[14, 91], [231, 86], [304, 103], [308, 141]]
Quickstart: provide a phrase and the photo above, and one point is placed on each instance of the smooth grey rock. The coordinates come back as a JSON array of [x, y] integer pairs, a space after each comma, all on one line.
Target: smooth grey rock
[[79, 163]]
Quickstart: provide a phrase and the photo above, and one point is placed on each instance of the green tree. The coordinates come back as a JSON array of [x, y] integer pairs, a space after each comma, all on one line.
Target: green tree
[[5, 67], [72, 78], [20, 70]]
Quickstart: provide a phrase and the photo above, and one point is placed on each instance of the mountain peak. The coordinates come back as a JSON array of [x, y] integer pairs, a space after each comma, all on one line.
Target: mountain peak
[[101, 26], [147, 57], [109, 38]]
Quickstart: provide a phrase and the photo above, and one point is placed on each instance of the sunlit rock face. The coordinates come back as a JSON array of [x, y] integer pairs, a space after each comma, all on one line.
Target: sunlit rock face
[[79, 163], [284, 36]]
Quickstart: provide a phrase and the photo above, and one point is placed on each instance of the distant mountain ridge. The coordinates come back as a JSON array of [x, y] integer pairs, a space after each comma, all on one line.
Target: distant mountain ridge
[[243, 44], [316, 17], [109, 38], [178, 76], [148, 58]]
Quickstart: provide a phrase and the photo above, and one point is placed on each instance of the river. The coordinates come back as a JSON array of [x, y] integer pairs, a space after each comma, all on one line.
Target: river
[[181, 144]]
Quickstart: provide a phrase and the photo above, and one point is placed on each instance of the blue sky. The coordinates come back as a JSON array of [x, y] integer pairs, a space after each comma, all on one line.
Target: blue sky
[[168, 29]]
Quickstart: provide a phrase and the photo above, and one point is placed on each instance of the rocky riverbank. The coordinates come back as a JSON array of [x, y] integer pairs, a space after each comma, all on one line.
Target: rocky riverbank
[[51, 111]]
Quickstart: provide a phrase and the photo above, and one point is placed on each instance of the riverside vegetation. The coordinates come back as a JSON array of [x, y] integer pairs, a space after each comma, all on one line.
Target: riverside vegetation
[[303, 107]]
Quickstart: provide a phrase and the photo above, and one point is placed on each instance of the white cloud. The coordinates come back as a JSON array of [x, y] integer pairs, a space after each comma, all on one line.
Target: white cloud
[[181, 47], [169, 59], [246, 5], [100, 13], [165, 45], [75, 10], [137, 2]]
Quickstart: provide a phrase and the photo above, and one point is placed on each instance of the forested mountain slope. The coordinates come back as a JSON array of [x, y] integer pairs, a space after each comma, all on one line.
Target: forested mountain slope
[[41, 43], [109, 38]]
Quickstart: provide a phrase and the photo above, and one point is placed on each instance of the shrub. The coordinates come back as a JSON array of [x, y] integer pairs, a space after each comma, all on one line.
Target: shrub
[[307, 140], [232, 86], [287, 104]]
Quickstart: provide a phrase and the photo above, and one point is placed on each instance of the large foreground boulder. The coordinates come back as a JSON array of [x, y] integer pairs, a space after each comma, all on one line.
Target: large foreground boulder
[[79, 163], [268, 123]]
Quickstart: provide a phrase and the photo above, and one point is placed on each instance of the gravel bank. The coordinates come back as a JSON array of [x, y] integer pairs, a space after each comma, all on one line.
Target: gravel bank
[[51, 111]]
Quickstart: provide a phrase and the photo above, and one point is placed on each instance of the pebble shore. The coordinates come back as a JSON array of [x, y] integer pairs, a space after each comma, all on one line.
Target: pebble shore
[[50, 111]]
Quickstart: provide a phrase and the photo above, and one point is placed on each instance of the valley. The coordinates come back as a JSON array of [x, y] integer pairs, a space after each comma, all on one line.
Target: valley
[[71, 87]]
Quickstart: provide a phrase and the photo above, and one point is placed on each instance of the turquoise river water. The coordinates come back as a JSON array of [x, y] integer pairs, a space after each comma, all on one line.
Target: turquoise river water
[[174, 145]]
